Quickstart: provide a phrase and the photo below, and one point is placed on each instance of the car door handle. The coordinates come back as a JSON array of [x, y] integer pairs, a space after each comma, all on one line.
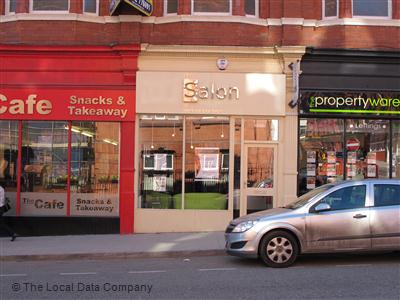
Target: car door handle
[[359, 216]]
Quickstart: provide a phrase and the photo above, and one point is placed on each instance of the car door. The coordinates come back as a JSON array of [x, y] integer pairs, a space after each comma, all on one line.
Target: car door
[[345, 226], [385, 216]]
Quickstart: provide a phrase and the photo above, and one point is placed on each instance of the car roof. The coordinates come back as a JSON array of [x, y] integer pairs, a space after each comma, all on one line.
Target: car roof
[[371, 180]]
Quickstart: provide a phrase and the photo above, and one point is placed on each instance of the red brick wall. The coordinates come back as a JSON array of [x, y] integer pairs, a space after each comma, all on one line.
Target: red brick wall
[[202, 33]]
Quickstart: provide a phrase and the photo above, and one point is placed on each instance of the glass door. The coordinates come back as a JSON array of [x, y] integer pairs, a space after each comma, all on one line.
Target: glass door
[[259, 186]]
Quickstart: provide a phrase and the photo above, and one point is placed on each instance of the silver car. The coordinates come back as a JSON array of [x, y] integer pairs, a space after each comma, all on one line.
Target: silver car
[[346, 216]]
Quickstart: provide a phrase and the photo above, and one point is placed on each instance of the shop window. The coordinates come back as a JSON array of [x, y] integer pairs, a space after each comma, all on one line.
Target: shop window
[[91, 6], [160, 176], [320, 152], [8, 161], [251, 7], [396, 149], [206, 180], [367, 148], [11, 6], [372, 8], [49, 5], [261, 130], [211, 7], [170, 7], [44, 162], [237, 165], [330, 8], [95, 169]]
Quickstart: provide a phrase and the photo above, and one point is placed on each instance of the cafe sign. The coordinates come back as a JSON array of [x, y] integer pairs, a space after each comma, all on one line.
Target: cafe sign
[[67, 104], [375, 103]]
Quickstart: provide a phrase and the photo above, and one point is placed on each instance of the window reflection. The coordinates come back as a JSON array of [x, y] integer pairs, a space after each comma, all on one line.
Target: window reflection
[[321, 152], [206, 180], [94, 169], [367, 145], [8, 161], [44, 168], [160, 162], [260, 130]]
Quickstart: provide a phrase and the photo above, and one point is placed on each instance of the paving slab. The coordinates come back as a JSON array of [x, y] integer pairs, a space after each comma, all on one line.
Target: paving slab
[[112, 246]]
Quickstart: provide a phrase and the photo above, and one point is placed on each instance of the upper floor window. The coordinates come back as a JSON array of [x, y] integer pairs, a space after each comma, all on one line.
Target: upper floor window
[[330, 9], [215, 7], [170, 7], [49, 5], [11, 6], [372, 8], [251, 7], [91, 6]]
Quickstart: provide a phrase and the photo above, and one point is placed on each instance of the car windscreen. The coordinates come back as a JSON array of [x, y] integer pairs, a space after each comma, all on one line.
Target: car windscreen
[[304, 199]]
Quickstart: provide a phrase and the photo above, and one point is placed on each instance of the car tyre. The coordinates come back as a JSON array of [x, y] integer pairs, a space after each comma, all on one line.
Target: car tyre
[[278, 249]]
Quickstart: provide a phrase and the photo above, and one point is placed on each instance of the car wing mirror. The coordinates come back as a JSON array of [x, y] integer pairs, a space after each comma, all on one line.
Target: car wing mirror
[[322, 207]]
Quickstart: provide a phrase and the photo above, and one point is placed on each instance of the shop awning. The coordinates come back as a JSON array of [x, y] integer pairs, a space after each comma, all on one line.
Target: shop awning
[[144, 6]]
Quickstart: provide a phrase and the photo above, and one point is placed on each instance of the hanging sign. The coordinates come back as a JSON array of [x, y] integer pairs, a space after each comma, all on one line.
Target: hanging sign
[[67, 104], [144, 6], [371, 103]]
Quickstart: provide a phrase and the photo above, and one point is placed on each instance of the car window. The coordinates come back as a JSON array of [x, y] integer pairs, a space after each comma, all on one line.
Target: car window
[[346, 198], [386, 194], [304, 199]]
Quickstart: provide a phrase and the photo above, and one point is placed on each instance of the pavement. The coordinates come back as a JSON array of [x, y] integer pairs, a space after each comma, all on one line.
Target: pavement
[[112, 246]]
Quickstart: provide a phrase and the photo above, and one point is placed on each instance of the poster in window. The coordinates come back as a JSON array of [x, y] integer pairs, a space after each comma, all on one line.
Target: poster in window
[[206, 163], [351, 170], [331, 170], [311, 156], [160, 183], [331, 157], [351, 157], [371, 171], [371, 158], [311, 169], [160, 162], [310, 183]]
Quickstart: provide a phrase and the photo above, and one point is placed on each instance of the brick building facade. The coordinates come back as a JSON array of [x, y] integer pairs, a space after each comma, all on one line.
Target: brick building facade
[[239, 140]]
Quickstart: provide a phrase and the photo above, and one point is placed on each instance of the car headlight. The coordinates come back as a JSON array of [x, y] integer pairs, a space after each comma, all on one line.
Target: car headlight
[[244, 226]]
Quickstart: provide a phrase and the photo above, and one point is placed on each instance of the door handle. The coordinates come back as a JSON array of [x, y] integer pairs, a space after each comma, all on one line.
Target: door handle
[[359, 216]]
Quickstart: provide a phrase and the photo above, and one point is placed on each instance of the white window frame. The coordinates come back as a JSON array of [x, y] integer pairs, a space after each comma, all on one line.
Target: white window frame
[[389, 16], [210, 13], [7, 8], [166, 9], [90, 13], [48, 11], [257, 9], [330, 17]]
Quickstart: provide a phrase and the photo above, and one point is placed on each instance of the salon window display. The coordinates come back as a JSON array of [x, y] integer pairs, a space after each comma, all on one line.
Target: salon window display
[[197, 161], [396, 149]]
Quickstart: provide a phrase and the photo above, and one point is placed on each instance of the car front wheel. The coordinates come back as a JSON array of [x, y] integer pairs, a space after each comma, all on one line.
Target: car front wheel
[[278, 249]]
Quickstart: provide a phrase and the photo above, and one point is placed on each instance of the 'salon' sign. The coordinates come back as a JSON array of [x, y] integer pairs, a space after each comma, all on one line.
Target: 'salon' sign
[[193, 91]]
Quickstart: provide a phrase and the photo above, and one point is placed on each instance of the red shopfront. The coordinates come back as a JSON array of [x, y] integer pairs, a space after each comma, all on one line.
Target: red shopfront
[[67, 120]]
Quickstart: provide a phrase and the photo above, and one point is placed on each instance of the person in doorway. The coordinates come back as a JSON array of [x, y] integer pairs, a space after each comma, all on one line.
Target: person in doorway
[[3, 225]]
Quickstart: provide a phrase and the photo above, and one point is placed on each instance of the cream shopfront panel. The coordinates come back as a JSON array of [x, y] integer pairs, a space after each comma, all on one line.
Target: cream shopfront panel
[[197, 134]]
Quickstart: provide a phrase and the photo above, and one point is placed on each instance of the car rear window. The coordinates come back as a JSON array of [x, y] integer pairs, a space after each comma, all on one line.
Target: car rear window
[[386, 194]]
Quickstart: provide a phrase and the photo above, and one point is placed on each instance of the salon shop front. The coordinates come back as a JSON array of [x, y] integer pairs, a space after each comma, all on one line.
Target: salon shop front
[[215, 137]]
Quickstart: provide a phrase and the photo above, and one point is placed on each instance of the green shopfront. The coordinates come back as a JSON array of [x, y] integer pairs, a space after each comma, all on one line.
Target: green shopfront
[[349, 117]]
